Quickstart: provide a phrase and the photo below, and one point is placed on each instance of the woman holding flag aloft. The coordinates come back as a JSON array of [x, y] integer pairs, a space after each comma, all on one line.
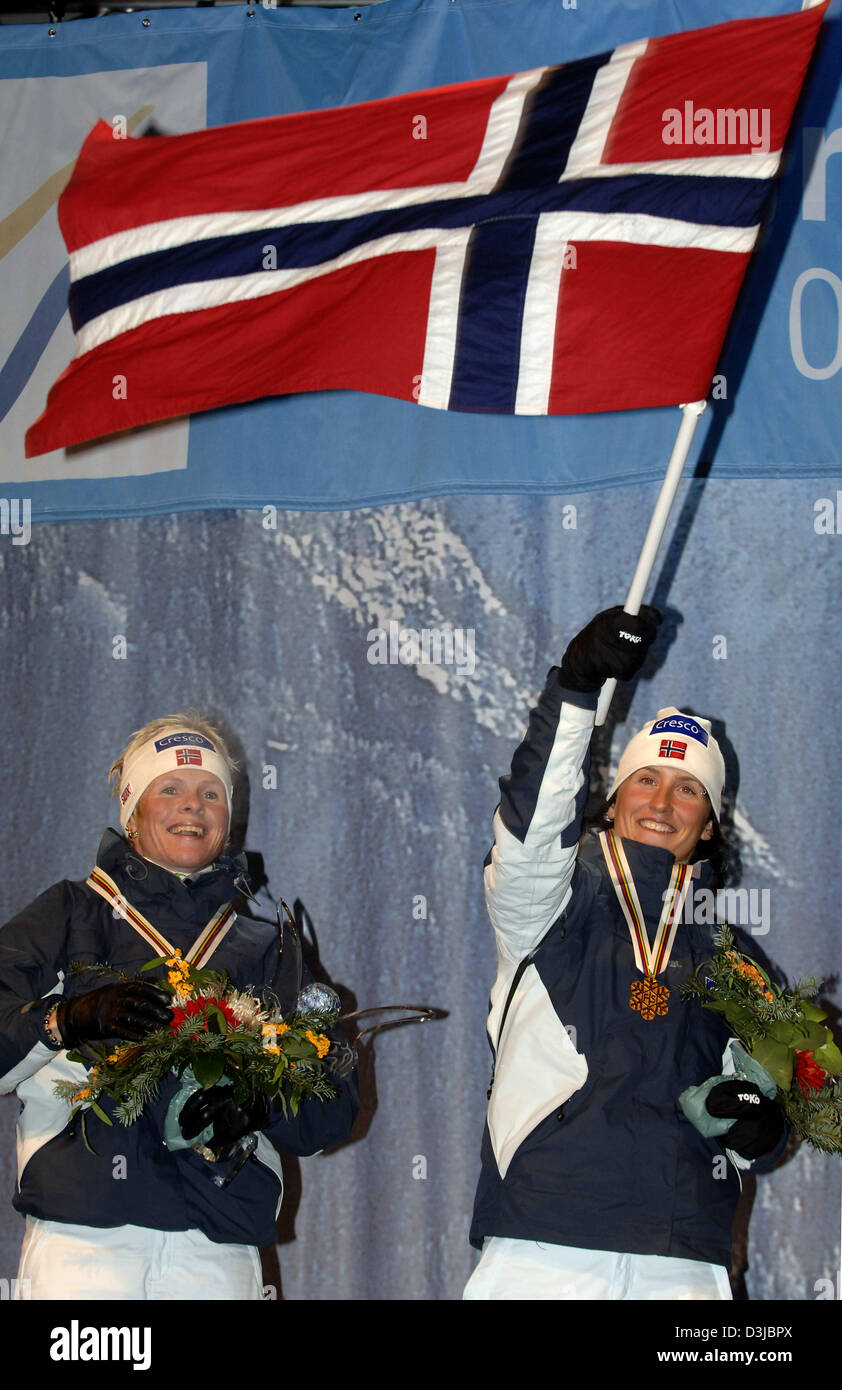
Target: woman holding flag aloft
[[594, 1185]]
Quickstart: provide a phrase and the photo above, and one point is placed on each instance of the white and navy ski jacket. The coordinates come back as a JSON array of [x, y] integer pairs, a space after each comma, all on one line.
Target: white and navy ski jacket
[[585, 1143], [58, 1179]]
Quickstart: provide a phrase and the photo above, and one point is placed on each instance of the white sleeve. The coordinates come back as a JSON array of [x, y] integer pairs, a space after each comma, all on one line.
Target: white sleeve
[[527, 880]]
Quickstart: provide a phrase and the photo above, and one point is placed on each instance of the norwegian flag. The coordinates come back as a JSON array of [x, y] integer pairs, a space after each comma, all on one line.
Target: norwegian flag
[[562, 240], [188, 757], [672, 748]]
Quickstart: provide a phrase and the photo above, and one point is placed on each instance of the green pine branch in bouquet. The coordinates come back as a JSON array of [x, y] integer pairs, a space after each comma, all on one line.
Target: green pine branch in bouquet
[[216, 1030]]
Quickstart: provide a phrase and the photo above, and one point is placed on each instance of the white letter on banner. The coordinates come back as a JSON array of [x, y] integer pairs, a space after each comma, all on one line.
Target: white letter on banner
[[824, 523], [816, 150], [672, 133], [796, 344]]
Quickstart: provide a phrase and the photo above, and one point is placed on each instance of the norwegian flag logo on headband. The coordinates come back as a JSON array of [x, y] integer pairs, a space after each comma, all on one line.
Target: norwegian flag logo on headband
[[190, 757], [672, 748]]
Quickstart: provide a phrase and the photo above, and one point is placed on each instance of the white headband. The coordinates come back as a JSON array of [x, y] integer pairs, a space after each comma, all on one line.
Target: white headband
[[680, 741], [169, 752]]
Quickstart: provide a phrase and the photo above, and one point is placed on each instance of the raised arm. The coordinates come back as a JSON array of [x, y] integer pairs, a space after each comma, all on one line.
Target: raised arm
[[538, 821]]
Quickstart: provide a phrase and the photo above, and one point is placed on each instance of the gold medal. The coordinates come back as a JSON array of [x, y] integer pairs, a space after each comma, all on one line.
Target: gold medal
[[649, 999]]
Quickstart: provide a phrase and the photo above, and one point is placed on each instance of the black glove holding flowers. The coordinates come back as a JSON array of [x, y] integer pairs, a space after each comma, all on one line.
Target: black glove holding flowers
[[614, 643], [759, 1120], [130, 1009], [230, 1121]]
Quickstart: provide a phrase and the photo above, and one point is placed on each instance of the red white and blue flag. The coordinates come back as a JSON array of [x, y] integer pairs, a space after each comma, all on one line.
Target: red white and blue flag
[[564, 240], [672, 748], [186, 757]]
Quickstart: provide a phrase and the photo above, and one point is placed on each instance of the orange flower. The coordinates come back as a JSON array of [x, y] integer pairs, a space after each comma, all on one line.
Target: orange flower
[[749, 972], [319, 1041]]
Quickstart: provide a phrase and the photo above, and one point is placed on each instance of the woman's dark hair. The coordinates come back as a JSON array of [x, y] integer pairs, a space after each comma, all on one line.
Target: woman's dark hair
[[715, 850]]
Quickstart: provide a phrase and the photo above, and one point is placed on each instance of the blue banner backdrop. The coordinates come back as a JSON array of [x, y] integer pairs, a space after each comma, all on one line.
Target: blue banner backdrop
[[372, 783], [777, 408]]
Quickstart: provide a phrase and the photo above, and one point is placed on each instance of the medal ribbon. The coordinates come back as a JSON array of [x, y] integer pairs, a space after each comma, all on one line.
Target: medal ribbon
[[203, 947], [651, 960]]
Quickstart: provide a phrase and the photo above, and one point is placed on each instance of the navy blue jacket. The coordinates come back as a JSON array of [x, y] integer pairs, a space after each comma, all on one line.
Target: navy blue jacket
[[58, 1179], [585, 1144]]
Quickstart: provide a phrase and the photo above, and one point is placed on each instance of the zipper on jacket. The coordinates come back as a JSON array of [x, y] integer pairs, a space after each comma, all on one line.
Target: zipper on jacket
[[516, 979], [527, 960]]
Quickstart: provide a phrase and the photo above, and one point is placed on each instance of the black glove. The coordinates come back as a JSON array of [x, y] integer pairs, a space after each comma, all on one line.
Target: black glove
[[125, 1010], [759, 1121], [218, 1107], [614, 643]]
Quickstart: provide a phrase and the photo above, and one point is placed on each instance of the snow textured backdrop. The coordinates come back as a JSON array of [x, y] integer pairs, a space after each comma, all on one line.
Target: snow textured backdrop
[[386, 783]]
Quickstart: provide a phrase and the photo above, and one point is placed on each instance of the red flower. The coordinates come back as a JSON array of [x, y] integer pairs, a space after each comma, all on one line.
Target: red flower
[[200, 1006], [809, 1075], [193, 1006]]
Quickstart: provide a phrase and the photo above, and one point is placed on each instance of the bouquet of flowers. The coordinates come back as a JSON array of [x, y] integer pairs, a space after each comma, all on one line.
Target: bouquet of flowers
[[782, 1031], [217, 1034]]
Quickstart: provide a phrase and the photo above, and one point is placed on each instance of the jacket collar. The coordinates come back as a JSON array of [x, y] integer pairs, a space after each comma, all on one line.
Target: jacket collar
[[140, 878], [651, 868]]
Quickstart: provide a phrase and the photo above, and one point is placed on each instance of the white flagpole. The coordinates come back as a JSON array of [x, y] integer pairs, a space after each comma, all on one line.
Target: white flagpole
[[691, 415]]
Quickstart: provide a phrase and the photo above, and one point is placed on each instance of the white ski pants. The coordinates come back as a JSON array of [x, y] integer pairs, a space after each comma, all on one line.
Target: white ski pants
[[60, 1261], [527, 1269]]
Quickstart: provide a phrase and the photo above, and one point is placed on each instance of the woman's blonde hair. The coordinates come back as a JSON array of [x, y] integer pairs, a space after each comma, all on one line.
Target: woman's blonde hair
[[191, 719]]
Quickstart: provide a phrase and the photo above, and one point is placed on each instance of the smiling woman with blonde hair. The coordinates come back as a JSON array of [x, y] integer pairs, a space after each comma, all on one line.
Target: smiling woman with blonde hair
[[137, 1218], [195, 840]]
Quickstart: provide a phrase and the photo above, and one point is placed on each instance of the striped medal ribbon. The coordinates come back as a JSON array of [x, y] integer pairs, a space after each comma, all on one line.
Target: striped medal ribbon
[[648, 998], [203, 947]]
